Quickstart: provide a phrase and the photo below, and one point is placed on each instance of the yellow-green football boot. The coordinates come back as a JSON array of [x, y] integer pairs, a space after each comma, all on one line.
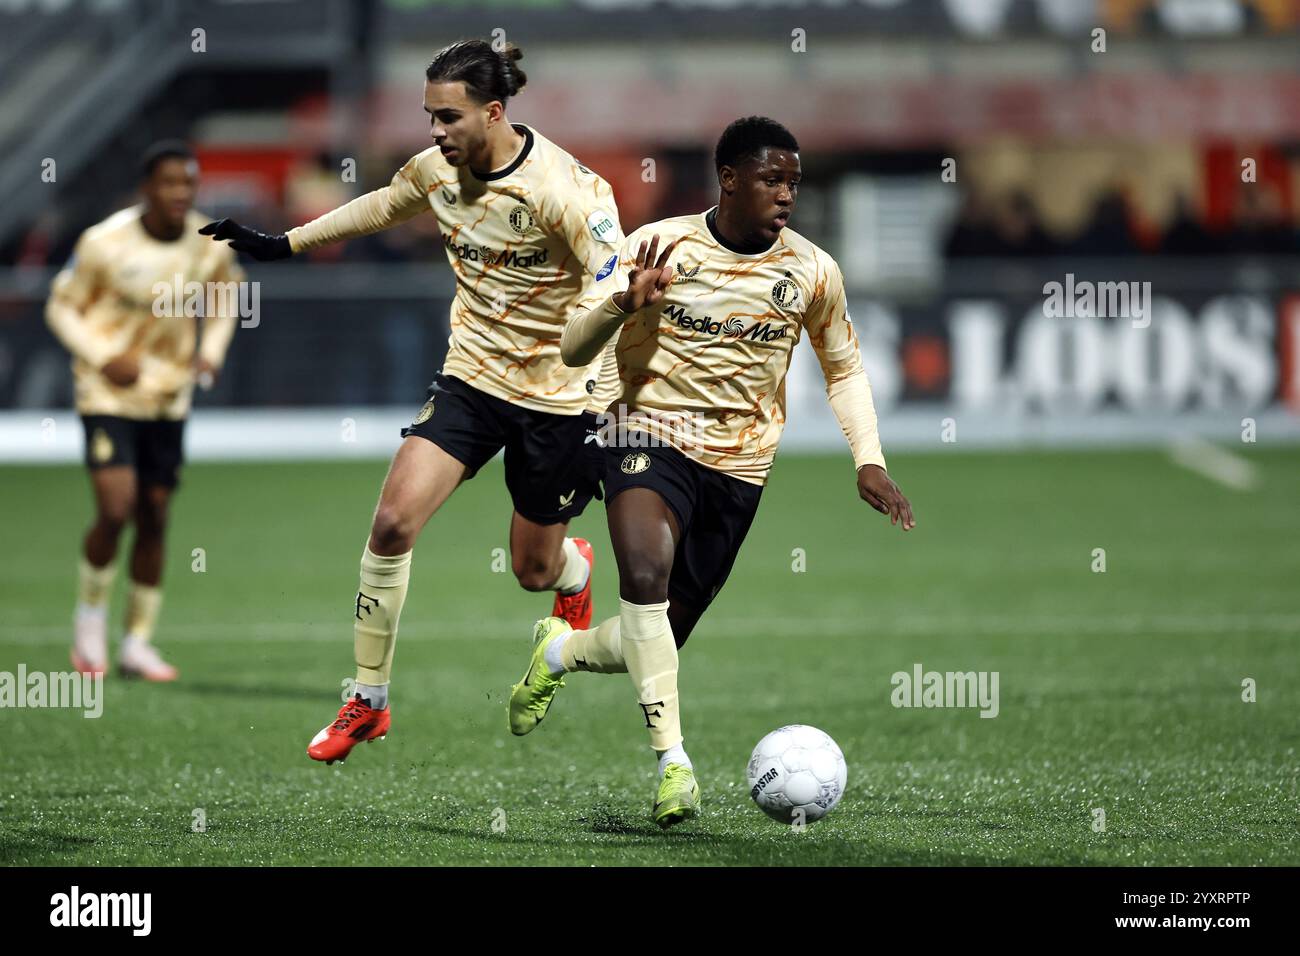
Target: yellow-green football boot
[[531, 698], [679, 796]]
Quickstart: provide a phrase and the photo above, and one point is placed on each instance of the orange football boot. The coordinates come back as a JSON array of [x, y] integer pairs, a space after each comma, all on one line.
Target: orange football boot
[[357, 721]]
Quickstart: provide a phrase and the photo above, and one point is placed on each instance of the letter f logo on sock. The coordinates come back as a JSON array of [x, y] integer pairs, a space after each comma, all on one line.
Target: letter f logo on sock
[[362, 606], [652, 713]]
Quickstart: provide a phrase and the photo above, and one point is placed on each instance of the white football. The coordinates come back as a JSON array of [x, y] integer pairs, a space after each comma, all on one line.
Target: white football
[[797, 774]]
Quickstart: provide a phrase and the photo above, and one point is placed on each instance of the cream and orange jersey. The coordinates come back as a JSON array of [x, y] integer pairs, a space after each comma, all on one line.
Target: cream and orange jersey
[[122, 291], [524, 243], [706, 365]]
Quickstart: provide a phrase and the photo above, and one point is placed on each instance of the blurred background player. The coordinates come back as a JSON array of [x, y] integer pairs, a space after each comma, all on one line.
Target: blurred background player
[[724, 323], [525, 226], [135, 366]]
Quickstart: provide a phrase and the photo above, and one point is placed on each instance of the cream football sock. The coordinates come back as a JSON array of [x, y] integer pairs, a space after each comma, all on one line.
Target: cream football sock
[[651, 656], [378, 607]]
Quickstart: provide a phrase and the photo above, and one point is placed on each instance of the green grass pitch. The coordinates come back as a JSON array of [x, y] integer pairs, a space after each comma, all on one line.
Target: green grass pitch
[[1120, 691]]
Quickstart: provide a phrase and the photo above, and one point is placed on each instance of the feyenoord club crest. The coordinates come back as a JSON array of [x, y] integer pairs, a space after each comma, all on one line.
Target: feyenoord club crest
[[101, 446], [785, 294], [424, 414], [521, 219], [635, 463]]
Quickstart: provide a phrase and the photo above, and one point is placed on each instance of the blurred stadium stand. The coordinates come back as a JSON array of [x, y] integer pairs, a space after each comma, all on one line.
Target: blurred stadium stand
[[1117, 166]]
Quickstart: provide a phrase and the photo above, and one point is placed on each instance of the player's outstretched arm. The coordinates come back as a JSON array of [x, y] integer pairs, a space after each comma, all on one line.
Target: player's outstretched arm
[[400, 200], [260, 245], [586, 333]]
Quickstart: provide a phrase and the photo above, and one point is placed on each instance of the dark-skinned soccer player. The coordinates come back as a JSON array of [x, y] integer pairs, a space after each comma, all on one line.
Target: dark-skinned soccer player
[[707, 310]]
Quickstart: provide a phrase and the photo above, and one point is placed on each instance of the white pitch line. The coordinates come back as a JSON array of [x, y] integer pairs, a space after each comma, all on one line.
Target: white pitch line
[[1218, 464]]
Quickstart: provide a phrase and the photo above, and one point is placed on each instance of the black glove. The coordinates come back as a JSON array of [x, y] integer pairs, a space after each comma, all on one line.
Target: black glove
[[259, 245]]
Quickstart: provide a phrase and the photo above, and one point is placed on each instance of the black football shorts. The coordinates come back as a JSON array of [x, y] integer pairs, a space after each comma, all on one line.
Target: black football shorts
[[714, 512], [153, 447], [549, 475]]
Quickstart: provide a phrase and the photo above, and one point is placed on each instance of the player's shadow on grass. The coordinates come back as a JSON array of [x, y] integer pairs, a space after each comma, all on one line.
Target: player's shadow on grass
[[37, 846], [648, 835], [748, 850]]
